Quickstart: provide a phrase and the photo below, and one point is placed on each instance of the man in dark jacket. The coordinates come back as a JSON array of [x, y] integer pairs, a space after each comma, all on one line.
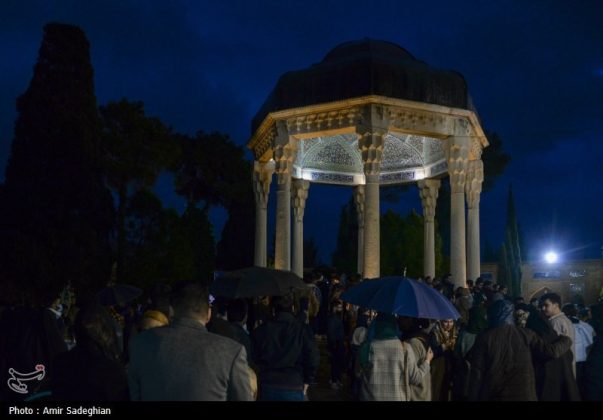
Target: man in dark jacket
[[501, 358], [237, 317], [285, 353]]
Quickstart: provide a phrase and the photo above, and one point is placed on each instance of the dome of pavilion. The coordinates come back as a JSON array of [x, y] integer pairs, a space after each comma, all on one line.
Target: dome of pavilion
[[361, 68]]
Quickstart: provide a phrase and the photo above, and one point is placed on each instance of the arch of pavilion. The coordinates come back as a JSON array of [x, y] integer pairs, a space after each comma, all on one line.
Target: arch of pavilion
[[369, 114]]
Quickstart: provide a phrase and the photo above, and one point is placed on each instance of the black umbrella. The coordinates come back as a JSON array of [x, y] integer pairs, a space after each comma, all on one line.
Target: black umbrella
[[255, 281], [118, 294]]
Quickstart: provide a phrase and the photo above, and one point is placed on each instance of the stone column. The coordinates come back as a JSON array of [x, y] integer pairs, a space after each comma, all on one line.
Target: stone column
[[473, 189], [371, 146], [359, 198], [428, 189], [262, 178], [457, 155], [284, 155], [298, 202]]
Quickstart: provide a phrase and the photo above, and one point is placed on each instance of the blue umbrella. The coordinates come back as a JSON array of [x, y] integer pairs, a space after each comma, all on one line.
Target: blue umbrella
[[402, 296]]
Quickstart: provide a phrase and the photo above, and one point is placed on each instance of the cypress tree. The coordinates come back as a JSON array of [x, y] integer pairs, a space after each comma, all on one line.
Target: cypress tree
[[58, 213], [345, 256], [236, 246], [509, 271]]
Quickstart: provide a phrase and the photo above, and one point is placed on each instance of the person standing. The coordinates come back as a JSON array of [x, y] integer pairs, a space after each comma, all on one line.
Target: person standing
[[335, 343], [501, 358], [93, 369], [285, 354], [183, 361], [389, 367], [554, 377], [585, 335], [550, 304], [414, 332], [442, 341]]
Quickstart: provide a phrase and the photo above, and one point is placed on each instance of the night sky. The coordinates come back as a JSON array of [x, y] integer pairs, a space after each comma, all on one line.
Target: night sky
[[534, 70]]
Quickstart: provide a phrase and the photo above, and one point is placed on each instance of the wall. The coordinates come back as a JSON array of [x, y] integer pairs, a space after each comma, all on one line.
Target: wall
[[568, 278]]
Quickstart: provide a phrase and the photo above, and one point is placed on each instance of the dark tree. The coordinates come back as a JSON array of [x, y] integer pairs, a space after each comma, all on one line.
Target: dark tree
[[236, 246], [212, 170], [200, 235], [402, 245], [495, 160], [164, 246], [345, 256], [509, 268], [311, 259], [442, 215], [490, 254], [58, 213], [136, 149], [392, 246]]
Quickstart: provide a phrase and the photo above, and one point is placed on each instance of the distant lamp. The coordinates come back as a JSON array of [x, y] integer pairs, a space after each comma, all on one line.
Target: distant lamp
[[551, 257]]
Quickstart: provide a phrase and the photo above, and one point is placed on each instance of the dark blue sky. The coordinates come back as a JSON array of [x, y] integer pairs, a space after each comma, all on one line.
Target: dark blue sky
[[534, 70]]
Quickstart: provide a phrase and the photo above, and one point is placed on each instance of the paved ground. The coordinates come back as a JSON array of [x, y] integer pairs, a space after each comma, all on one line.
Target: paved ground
[[322, 391]]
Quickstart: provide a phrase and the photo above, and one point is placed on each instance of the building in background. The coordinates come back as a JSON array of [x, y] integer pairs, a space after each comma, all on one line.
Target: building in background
[[578, 281]]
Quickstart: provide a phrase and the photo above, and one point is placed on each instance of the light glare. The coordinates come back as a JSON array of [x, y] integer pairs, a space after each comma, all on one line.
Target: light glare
[[551, 257]]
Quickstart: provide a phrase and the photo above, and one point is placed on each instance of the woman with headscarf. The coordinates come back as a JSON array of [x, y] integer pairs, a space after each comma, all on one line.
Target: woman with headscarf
[[388, 366], [92, 371], [442, 341], [416, 335], [463, 302]]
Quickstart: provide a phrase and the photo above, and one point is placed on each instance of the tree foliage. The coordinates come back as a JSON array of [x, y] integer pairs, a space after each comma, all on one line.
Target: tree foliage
[[210, 169], [165, 246], [345, 256], [57, 212], [402, 245], [311, 258], [136, 149], [509, 266], [236, 246], [495, 160]]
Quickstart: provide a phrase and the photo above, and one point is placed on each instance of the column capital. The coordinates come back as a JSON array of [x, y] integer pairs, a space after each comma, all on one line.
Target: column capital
[[262, 178], [373, 125], [359, 198], [284, 155], [428, 190], [457, 157], [299, 194], [473, 182], [371, 143]]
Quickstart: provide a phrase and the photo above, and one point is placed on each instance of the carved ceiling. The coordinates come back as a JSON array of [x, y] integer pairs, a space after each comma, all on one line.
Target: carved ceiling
[[406, 158]]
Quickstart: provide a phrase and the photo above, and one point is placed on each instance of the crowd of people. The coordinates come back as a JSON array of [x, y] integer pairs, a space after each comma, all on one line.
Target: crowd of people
[[181, 344]]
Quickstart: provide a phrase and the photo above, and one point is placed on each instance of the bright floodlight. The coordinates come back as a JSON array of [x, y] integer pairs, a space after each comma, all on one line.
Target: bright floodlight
[[550, 257]]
